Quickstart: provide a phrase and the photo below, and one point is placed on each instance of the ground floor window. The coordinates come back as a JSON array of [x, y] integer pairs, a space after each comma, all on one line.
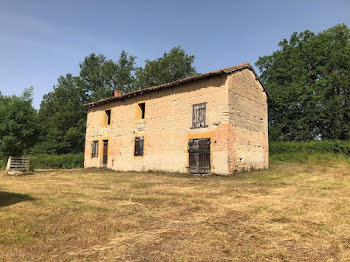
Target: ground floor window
[[94, 149], [199, 155], [138, 150]]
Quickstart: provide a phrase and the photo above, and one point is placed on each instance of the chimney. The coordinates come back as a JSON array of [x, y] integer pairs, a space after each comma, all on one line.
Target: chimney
[[118, 93]]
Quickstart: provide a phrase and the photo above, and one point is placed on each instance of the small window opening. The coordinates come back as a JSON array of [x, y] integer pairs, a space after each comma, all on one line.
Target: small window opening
[[94, 149], [138, 150], [108, 117], [142, 107]]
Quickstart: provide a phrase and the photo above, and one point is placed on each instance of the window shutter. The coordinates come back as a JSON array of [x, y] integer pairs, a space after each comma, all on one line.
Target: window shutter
[[138, 151], [199, 115], [141, 146]]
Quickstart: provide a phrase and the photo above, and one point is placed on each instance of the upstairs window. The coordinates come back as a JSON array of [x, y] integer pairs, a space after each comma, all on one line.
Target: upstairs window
[[138, 150], [108, 117], [141, 111], [198, 115], [94, 149]]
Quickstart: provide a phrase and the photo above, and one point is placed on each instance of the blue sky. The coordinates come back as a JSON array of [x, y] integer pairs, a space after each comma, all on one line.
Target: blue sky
[[41, 40]]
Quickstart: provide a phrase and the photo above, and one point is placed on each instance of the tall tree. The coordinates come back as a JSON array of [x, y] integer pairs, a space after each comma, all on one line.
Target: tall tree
[[18, 124], [100, 76], [62, 118], [309, 82], [125, 79], [170, 67]]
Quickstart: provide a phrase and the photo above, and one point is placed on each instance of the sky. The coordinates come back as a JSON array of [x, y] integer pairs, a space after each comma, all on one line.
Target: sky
[[41, 40]]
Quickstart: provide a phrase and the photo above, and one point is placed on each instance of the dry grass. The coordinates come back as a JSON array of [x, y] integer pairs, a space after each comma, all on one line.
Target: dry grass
[[294, 212]]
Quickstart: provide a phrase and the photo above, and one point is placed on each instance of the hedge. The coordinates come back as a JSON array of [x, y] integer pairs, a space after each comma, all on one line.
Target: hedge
[[2, 164], [312, 147], [66, 161]]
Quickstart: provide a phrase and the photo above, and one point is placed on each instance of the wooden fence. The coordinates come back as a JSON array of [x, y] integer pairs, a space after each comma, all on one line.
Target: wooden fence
[[17, 164]]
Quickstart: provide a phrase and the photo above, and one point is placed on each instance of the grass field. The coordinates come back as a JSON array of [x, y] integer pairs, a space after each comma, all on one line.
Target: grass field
[[293, 211]]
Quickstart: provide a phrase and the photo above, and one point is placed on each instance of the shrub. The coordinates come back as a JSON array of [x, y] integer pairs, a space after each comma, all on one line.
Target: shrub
[[312, 147], [66, 161], [2, 163], [313, 150]]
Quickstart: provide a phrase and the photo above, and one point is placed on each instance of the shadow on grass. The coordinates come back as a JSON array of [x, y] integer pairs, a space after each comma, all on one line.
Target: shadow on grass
[[7, 198]]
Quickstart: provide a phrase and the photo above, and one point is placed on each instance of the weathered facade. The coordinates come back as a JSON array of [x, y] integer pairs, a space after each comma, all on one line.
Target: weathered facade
[[208, 123]]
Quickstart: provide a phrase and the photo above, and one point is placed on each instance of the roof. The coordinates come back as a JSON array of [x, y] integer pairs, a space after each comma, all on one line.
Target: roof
[[179, 82]]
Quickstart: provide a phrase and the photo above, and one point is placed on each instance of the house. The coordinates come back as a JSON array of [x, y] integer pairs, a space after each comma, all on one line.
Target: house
[[207, 123]]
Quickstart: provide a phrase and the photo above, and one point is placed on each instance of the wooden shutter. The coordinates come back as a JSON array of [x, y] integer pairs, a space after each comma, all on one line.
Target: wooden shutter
[[138, 150], [199, 115], [94, 149]]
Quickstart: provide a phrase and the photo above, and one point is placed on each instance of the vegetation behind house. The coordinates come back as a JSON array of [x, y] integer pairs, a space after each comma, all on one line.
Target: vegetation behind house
[[312, 150], [308, 78]]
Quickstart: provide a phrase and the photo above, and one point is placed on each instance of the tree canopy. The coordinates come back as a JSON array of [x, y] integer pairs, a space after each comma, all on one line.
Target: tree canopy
[[171, 66], [99, 76], [62, 118], [309, 82], [18, 124]]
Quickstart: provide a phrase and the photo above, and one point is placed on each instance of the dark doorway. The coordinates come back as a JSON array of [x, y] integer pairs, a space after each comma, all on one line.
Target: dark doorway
[[105, 153], [199, 155]]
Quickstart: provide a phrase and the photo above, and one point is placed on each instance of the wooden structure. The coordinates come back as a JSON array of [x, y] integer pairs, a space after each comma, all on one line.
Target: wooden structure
[[199, 156], [17, 164]]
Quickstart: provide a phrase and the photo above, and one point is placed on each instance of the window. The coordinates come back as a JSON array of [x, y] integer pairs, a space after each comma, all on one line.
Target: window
[[198, 115], [138, 151], [108, 117], [141, 109], [94, 149]]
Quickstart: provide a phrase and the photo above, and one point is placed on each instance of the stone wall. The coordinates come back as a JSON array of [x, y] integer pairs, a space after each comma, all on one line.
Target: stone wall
[[166, 128], [236, 118], [248, 118]]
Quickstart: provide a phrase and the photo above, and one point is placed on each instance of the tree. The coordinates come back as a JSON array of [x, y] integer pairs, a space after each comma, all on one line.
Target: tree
[[62, 118], [100, 76], [125, 73], [309, 82], [170, 67], [18, 124]]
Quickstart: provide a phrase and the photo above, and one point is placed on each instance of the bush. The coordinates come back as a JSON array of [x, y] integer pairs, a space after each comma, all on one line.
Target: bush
[[312, 147], [2, 163], [313, 150], [66, 161]]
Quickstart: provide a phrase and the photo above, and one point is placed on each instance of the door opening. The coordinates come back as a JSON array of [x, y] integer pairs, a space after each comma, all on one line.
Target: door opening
[[199, 155], [105, 153]]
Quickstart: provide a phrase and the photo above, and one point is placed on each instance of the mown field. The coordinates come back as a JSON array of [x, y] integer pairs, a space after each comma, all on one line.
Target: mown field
[[293, 211]]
